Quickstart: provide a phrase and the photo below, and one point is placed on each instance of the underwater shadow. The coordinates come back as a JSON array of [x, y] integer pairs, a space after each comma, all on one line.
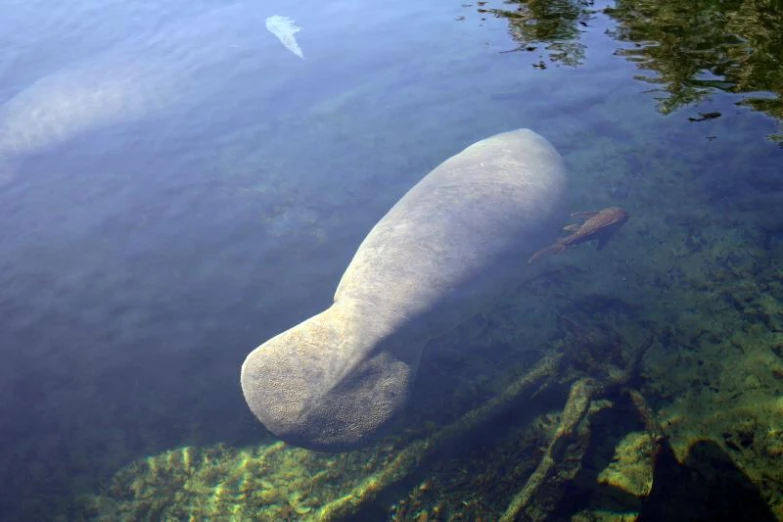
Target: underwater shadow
[[707, 486]]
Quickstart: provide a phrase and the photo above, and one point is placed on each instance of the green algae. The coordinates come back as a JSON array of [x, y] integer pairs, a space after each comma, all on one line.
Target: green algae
[[221, 483]]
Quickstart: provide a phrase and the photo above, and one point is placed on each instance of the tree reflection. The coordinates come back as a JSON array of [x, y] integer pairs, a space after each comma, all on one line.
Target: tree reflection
[[687, 48], [695, 46], [555, 23]]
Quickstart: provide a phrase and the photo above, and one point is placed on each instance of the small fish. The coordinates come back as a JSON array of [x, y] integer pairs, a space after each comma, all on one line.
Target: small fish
[[285, 29], [706, 116], [600, 225]]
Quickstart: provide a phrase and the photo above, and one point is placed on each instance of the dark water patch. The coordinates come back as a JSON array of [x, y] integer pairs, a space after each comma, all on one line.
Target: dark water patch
[[707, 485]]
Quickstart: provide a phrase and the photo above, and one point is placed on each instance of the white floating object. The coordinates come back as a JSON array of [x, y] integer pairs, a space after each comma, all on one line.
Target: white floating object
[[285, 29]]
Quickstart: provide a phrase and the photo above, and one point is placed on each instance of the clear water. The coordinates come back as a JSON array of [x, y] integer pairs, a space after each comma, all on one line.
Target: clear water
[[147, 247]]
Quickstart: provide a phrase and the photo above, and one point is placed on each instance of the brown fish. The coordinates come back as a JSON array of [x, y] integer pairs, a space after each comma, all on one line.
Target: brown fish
[[600, 225]]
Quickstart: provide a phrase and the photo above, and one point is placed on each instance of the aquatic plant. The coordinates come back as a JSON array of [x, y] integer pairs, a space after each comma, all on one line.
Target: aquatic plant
[[268, 483]]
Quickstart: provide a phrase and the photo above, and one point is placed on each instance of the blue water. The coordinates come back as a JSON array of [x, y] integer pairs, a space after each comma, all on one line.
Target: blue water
[[145, 251]]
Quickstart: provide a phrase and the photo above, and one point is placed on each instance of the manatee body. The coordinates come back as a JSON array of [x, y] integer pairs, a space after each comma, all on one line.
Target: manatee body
[[125, 83], [66, 103], [456, 242]]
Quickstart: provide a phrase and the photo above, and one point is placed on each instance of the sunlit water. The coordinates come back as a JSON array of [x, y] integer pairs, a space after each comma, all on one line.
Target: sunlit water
[[145, 250]]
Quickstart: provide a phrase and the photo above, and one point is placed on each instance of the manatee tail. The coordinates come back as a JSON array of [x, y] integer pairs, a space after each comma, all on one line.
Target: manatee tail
[[548, 251]]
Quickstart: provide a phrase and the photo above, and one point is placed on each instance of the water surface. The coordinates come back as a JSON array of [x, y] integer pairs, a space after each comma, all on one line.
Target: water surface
[[146, 249]]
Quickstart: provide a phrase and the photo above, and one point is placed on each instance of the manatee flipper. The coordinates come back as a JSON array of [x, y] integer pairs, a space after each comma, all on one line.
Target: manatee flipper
[[445, 251], [603, 239], [587, 214], [571, 228]]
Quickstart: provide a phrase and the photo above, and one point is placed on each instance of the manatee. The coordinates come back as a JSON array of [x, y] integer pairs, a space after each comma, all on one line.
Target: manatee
[[455, 243], [125, 83], [57, 107]]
